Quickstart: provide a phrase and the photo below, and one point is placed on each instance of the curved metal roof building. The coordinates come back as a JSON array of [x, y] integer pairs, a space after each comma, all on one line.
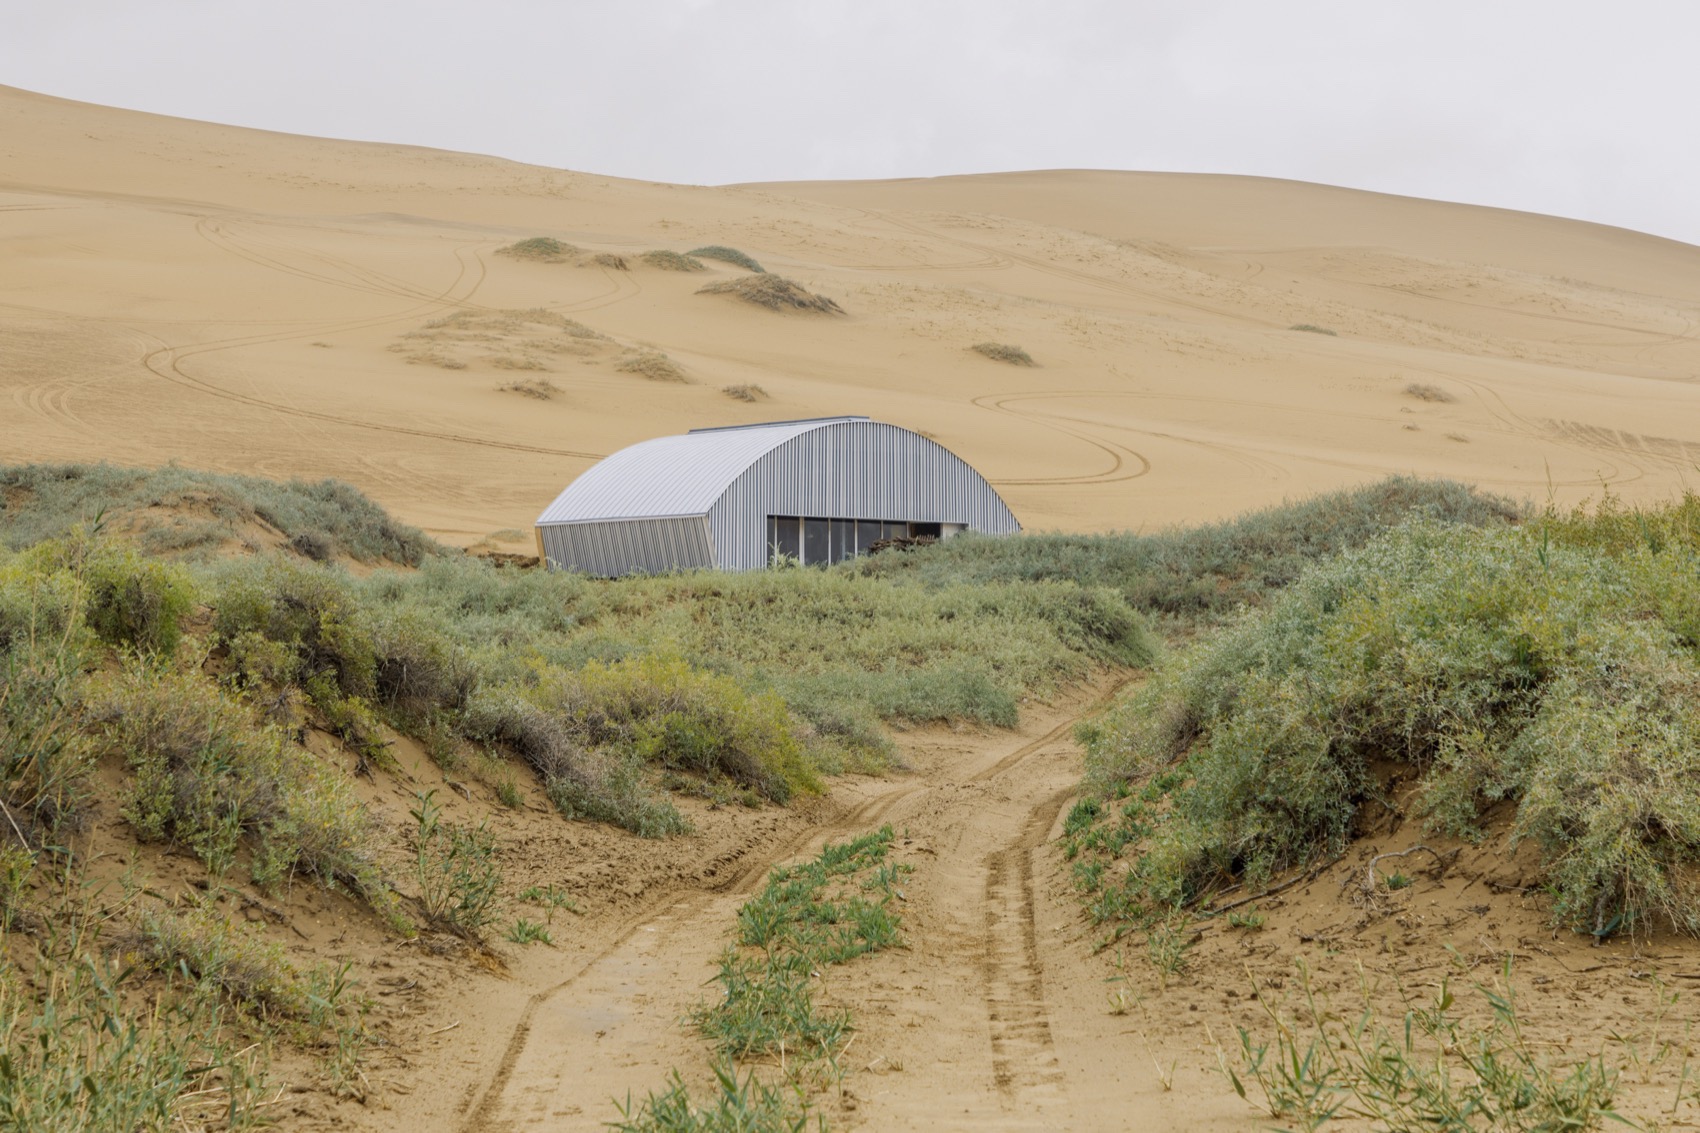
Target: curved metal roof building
[[734, 498]]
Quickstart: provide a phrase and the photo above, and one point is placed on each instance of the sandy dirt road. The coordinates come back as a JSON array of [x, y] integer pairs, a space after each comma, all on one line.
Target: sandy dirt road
[[992, 1017]]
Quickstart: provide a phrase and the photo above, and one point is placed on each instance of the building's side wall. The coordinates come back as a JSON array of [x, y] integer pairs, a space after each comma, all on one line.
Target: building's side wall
[[632, 546], [852, 470]]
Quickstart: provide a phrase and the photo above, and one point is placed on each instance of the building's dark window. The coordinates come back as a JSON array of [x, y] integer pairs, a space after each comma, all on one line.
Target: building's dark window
[[784, 536], [815, 542]]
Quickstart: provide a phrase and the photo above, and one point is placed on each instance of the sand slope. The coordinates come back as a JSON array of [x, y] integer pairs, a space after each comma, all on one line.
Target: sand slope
[[240, 300]]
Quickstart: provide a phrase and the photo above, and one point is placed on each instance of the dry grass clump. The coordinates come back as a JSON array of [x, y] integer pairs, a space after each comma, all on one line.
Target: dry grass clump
[[1314, 329], [1423, 391], [1003, 352], [611, 261], [654, 365], [745, 392], [541, 388], [673, 261], [728, 255], [543, 249], [773, 292], [516, 362]]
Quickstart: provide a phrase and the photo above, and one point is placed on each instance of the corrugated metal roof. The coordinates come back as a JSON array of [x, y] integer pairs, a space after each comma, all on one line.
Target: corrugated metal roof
[[672, 476]]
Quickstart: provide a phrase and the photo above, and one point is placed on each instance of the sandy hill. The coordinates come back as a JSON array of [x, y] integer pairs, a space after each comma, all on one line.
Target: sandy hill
[[248, 301]]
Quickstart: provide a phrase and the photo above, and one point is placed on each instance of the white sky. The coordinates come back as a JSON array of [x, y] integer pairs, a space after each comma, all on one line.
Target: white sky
[[1579, 109]]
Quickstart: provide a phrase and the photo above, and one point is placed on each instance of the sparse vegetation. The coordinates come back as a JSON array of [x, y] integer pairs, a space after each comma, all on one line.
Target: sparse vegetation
[[807, 917], [654, 365], [727, 255], [745, 392], [1426, 391], [673, 261], [1312, 328], [540, 388], [1545, 666], [1003, 352], [1430, 1070], [610, 261], [543, 249], [773, 292], [176, 511]]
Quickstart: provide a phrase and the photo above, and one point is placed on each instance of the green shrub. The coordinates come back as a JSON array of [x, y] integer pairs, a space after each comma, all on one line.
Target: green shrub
[[225, 955], [210, 777], [1500, 664], [774, 293], [727, 255], [1003, 352], [137, 602], [546, 249]]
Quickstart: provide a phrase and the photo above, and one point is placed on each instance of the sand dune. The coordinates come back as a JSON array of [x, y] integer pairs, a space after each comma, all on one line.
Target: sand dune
[[248, 301]]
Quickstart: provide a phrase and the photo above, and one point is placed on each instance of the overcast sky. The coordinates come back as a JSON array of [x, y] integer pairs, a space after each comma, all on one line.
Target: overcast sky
[[1583, 109]]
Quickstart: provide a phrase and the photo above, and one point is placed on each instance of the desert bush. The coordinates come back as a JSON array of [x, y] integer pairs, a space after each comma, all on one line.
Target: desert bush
[[1502, 665], [1003, 352], [672, 261], [1426, 391], [745, 392], [540, 388], [228, 956], [727, 255], [652, 364], [1312, 328], [582, 783], [610, 261], [137, 602], [774, 293], [210, 777], [544, 249], [312, 611]]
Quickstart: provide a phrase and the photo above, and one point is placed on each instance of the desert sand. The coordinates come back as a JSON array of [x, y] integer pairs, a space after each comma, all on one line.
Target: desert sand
[[246, 301]]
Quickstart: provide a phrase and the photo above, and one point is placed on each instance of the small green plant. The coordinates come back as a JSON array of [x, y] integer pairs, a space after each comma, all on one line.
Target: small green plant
[[1398, 881], [1003, 352], [1312, 328], [727, 255], [523, 931], [552, 898], [744, 391], [1249, 919], [1424, 391], [456, 869], [1167, 944]]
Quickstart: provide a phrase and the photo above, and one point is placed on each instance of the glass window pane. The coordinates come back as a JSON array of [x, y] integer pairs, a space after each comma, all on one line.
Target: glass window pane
[[788, 535], [815, 541], [843, 539], [867, 534]]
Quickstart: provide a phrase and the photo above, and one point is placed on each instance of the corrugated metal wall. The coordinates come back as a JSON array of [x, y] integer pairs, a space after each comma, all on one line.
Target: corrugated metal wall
[[648, 546], [854, 470]]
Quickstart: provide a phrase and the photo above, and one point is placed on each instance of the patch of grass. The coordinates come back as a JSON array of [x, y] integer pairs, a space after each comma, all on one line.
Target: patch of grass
[[1549, 666], [654, 365], [86, 1049], [456, 869], [610, 261], [746, 1106], [672, 261], [543, 249], [773, 292], [1313, 329], [1424, 391], [540, 388], [1003, 352], [1430, 1070], [176, 510], [524, 932], [745, 392], [807, 916], [727, 255]]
